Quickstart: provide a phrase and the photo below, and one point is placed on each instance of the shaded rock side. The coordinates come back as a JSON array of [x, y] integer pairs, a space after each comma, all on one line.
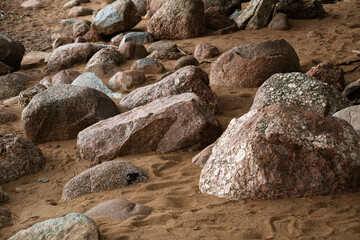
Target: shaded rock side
[[63, 110], [299, 9], [352, 92], [179, 122], [12, 51], [278, 152], [13, 83]]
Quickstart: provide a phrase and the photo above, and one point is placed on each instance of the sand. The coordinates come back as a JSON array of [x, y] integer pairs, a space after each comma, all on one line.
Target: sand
[[180, 211]]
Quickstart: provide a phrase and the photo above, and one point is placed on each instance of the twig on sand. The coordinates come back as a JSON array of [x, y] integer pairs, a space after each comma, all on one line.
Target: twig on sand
[[358, 66], [349, 62], [184, 52]]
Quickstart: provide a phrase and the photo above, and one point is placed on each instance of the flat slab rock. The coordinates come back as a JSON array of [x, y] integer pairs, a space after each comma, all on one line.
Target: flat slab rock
[[179, 122], [106, 176], [118, 209], [72, 226], [63, 110], [277, 152], [300, 91]]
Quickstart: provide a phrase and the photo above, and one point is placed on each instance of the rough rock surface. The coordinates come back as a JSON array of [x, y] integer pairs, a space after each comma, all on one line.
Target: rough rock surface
[[133, 50], [104, 70], [137, 37], [3, 196], [80, 11], [106, 176], [61, 41], [6, 116], [178, 19], [257, 14], [26, 95], [92, 36], [186, 61], [278, 152], [65, 77], [205, 50], [153, 6], [178, 122], [351, 115], [280, 22], [18, 157], [299, 9], [80, 28], [106, 55], [328, 73], [13, 83], [201, 158], [126, 80], [148, 66], [118, 209], [187, 79], [229, 5], [140, 6], [163, 46], [119, 16], [63, 110], [5, 217], [300, 91], [72, 226], [251, 64], [352, 92], [68, 55], [12, 51], [216, 18], [165, 55]]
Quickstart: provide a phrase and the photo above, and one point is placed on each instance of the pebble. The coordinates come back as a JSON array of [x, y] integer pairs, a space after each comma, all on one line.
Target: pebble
[[43, 180]]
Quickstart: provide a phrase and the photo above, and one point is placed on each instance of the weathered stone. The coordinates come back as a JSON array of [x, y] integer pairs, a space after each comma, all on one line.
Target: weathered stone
[[6, 116], [187, 79], [3, 196], [229, 5], [71, 3], [63, 110], [118, 209], [12, 51], [133, 50], [216, 18], [72, 226], [117, 39], [299, 9], [140, 6], [34, 59], [32, 4], [301, 92], [28, 94], [80, 11], [61, 41], [153, 6], [117, 17], [352, 92], [5, 69], [186, 61], [106, 176], [280, 22], [163, 46], [126, 80], [64, 77], [328, 73], [165, 55], [257, 14], [137, 37], [5, 217], [103, 70], [351, 115], [13, 83], [148, 66], [153, 127], [69, 55], [277, 152], [202, 157], [204, 50], [170, 23], [250, 65], [18, 158], [92, 36], [90, 80], [106, 55], [80, 28]]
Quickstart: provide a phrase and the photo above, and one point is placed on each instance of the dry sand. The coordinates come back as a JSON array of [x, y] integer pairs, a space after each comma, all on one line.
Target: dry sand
[[180, 211]]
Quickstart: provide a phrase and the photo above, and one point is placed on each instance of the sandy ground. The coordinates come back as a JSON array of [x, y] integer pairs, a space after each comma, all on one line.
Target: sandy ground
[[180, 211]]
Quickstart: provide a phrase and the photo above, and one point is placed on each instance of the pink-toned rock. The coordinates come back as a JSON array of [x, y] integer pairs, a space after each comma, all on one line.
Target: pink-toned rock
[[148, 66], [64, 77], [204, 50], [28, 94], [277, 152], [280, 22], [140, 6], [80, 11], [103, 70], [69, 55], [178, 122], [126, 80], [106, 176], [35, 4], [92, 36], [170, 23], [328, 73], [216, 18], [165, 55], [153, 6], [251, 64], [163, 46], [186, 61], [6, 116], [63, 110], [187, 79], [118, 209], [80, 28], [106, 55], [62, 40], [133, 50], [18, 157]]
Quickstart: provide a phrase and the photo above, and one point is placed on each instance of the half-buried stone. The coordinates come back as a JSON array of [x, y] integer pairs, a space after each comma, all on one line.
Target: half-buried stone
[[137, 37], [300, 91], [106, 176], [279, 151], [148, 66], [250, 65], [187, 79], [63, 110], [106, 55], [178, 122]]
